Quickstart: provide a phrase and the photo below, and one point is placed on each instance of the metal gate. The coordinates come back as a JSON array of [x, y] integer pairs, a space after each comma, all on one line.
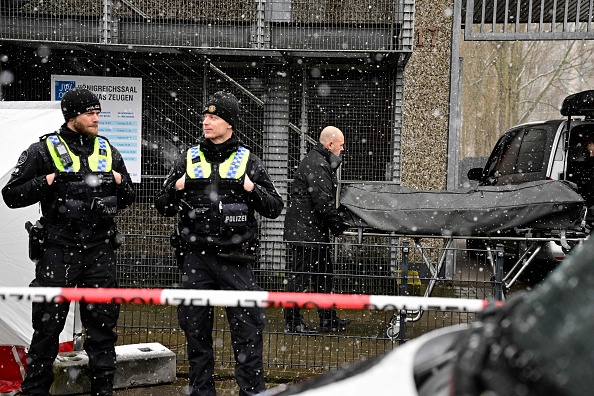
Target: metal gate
[[528, 20]]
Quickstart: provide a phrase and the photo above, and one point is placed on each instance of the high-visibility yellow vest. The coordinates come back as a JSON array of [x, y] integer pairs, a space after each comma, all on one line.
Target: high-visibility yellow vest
[[66, 161], [234, 167]]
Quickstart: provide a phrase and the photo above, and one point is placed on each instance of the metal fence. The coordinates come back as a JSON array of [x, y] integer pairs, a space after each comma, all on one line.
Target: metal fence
[[309, 25], [528, 20], [375, 264]]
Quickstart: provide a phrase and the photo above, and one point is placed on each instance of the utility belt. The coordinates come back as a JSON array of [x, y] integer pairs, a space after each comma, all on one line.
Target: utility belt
[[241, 253], [239, 256], [38, 239]]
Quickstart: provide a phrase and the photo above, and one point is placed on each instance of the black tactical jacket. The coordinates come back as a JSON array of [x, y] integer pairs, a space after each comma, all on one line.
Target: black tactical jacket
[[264, 199], [28, 186], [312, 211]]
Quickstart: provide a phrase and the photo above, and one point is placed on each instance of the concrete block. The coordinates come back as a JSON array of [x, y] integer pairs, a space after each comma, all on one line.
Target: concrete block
[[136, 365]]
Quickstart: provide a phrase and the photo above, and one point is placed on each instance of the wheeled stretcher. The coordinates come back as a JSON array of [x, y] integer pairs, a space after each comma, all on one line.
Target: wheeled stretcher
[[527, 222]]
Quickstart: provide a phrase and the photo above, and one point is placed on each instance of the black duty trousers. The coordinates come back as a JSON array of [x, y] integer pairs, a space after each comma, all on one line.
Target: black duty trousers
[[63, 266], [208, 271], [309, 262]]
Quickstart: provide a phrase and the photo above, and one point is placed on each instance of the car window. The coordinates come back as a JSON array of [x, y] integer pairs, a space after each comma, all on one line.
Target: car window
[[510, 148], [509, 154], [532, 151], [502, 158], [520, 155]]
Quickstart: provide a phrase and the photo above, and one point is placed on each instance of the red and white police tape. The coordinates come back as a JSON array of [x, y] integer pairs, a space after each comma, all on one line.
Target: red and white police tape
[[237, 298]]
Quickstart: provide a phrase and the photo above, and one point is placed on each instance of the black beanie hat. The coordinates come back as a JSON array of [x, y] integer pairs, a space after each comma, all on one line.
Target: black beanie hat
[[78, 101], [224, 105]]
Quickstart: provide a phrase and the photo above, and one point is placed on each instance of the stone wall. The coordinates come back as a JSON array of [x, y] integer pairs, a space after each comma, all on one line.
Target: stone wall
[[426, 97]]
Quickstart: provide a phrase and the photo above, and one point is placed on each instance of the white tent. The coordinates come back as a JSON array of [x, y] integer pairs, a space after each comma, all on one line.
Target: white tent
[[21, 123]]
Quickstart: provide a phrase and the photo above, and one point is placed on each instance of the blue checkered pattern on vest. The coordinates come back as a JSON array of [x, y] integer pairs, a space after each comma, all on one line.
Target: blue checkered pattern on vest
[[102, 163], [195, 153], [235, 163]]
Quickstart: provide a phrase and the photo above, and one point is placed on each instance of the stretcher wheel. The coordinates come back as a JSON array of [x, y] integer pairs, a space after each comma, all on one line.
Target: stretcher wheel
[[393, 330]]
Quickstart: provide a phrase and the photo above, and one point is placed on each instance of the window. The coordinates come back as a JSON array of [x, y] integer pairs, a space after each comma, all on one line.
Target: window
[[532, 151]]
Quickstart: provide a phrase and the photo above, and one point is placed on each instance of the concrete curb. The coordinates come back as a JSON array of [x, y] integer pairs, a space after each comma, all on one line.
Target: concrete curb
[[136, 365]]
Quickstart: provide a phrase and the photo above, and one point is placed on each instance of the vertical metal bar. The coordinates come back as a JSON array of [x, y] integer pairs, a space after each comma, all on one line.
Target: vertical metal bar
[[517, 27], [494, 21], [541, 22], [275, 157], [450, 259], [529, 21], [397, 25], [498, 284], [506, 16], [107, 20], [396, 80], [469, 17], [304, 122], [565, 16], [393, 244], [483, 14], [453, 161], [403, 291], [591, 6], [554, 17], [258, 40], [206, 70]]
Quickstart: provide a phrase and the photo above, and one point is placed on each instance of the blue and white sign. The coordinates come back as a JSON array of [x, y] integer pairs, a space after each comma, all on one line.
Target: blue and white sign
[[121, 112]]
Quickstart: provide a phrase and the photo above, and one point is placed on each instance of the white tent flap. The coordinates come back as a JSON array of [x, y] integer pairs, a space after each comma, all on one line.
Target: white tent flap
[[22, 124]]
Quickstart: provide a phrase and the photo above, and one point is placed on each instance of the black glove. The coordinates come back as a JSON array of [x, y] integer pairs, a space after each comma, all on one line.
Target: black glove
[[340, 226]]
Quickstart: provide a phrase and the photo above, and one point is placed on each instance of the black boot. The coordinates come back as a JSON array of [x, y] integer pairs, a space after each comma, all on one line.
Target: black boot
[[294, 322], [102, 386]]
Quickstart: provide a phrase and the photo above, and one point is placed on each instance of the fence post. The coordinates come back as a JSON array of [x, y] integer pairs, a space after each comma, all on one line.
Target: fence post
[[109, 27], [498, 284], [403, 290]]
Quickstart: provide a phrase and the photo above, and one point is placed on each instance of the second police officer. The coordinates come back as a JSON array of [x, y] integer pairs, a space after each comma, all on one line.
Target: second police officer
[[216, 187]]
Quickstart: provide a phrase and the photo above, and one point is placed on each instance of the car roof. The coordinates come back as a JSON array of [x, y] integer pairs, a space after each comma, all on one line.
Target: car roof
[[552, 130]]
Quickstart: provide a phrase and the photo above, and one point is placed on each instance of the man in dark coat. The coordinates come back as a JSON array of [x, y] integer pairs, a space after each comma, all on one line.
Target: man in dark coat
[[311, 216], [81, 182], [216, 187]]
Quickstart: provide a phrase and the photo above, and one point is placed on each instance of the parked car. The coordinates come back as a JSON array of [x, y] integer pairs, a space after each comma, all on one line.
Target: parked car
[[553, 150]]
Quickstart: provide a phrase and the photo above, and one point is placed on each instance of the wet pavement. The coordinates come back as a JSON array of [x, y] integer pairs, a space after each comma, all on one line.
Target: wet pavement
[[179, 387], [225, 387]]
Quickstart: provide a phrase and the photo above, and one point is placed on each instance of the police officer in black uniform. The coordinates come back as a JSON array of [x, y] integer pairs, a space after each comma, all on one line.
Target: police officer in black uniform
[[216, 187], [81, 182]]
